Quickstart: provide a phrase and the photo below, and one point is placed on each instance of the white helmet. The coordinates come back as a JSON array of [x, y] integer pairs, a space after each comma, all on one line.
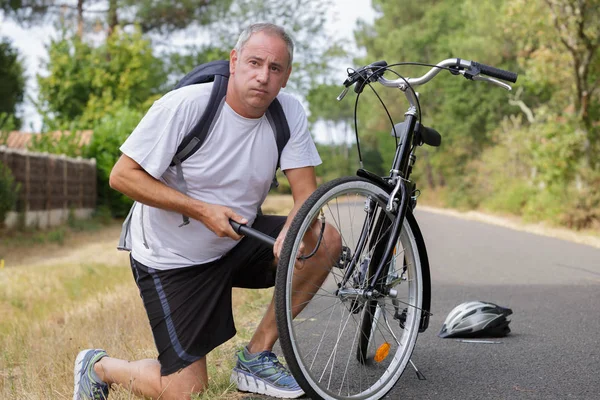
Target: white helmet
[[476, 319]]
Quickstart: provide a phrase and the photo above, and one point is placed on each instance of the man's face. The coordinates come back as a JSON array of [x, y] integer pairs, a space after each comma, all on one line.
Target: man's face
[[257, 73]]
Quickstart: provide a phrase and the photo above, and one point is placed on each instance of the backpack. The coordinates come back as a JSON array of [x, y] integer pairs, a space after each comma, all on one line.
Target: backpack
[[217, 72]]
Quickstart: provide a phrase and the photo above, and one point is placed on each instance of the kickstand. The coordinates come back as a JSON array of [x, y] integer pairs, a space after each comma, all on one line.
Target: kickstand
[[419, 374]]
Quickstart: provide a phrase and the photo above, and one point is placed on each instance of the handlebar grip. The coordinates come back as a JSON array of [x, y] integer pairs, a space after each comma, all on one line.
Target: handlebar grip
[[241, 229], [495, 72]]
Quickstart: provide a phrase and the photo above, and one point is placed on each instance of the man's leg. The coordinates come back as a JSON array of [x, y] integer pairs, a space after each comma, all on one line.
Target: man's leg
[[189, 311], [144, 379], [309, 275]]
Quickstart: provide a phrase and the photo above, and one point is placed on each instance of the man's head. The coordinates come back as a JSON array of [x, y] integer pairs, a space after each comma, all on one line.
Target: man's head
[[260, 65]]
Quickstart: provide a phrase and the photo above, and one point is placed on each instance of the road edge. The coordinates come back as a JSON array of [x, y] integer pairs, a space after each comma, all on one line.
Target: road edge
[[515, 224]]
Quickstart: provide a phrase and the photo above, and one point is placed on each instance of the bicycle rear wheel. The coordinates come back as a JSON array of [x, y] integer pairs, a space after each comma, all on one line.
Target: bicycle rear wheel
[[346, 343]]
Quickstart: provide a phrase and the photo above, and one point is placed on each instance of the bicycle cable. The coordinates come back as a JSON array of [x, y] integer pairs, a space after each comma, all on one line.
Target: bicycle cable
[[409, 86]]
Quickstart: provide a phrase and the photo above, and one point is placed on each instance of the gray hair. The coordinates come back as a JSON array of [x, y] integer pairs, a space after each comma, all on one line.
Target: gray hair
[[267, 28]]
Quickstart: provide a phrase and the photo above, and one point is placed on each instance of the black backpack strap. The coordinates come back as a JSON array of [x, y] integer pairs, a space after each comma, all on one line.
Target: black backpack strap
[[278, 121], [197, 135]]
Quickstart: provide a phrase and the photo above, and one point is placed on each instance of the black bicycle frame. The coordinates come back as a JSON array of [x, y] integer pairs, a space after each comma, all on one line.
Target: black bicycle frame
[[399, 175]]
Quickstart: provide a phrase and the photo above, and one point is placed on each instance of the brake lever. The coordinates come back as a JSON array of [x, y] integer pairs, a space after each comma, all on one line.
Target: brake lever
[[341, 96], [493, 81], [490, 80]]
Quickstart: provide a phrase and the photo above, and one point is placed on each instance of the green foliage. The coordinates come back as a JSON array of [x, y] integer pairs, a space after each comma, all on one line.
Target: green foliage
[[85, 82], [182, 62], [547, 204], [324, 107], [109, 134], [8, 123], [338, 160], [542, 162], [165, 16], [151, 15], [284, 185], [464, 112], [582, 209], [12, 83], [9, 192]]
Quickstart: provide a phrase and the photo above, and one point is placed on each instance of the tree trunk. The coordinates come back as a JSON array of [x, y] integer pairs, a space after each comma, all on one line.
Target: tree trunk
[[80, 18], [113, 18]]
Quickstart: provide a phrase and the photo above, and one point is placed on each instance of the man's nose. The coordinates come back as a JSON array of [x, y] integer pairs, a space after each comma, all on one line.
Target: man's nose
[[263, 75]]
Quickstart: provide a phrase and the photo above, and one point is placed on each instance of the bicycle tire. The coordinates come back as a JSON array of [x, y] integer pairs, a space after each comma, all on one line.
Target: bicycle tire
[[381, 377]]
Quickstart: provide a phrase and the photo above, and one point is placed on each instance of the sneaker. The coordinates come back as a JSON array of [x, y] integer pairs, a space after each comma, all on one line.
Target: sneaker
[[262, 373], [88, 385]]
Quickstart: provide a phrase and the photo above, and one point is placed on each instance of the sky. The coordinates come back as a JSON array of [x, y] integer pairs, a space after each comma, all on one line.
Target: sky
[[31, 42]]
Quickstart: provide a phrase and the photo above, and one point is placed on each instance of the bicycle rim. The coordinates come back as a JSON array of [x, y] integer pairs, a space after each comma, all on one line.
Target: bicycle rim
[[322, 345]]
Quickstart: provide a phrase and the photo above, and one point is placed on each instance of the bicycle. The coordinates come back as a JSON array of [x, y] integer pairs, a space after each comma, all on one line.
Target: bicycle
[[355, 337]]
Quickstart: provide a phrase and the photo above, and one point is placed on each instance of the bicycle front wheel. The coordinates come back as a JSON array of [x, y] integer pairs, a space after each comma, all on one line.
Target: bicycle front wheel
[[347, 342]]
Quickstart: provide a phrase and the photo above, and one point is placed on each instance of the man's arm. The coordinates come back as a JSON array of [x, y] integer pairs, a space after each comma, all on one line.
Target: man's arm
[[303, 183], [129, 178]]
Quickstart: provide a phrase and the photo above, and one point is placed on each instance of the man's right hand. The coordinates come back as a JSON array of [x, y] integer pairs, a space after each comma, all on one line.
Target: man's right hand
[[129, 178], [216, 218]]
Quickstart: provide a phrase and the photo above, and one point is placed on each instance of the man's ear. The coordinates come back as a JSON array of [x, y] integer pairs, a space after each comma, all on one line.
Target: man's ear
[[233, 58], [287, 76]]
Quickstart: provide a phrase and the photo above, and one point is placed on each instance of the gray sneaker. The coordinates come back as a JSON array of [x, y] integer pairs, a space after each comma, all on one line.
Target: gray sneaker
[[262, 373], [88, 385]]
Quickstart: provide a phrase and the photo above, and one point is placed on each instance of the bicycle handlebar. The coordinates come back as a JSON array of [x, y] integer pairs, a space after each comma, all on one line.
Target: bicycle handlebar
[[469, 69], [241, 229]]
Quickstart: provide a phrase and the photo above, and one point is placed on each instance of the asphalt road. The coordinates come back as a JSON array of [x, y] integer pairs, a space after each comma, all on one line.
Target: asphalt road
[[553, 288]]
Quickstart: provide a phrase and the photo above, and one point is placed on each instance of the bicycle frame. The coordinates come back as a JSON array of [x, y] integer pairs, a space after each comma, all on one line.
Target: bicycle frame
[[404, 156], [399, 175]]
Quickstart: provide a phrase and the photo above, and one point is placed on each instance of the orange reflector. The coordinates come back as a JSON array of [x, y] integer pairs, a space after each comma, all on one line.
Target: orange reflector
[[382, 352]]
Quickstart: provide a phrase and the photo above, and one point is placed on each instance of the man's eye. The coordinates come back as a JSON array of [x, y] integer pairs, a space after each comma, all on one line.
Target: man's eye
[[275, 69], [253, 62]]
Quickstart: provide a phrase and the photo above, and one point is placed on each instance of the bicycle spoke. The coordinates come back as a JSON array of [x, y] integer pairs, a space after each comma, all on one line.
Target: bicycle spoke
[[340, 329]]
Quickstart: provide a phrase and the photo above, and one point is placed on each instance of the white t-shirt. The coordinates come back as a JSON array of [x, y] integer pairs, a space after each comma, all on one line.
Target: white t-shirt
[[234, 167]]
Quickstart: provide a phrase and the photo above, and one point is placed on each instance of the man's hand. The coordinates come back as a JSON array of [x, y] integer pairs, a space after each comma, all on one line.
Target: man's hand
[[216, 218]]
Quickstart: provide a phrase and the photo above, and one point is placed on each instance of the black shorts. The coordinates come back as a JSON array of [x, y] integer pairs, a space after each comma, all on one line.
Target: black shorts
[[189, 308]]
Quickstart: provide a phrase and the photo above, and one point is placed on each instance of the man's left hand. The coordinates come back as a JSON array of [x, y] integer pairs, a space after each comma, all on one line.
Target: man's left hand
[[279, 245]]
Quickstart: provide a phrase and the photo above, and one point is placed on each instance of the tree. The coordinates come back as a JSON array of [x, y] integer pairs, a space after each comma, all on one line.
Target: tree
[[465, 112], [560, 52], [304, 19], [159, 16], [12, 83], [85, 82]]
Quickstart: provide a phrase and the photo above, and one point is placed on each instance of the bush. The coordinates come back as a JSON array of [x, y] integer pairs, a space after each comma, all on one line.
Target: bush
[[109, 135], [511, 196], [9, 191], [583, 209], [547, 205]]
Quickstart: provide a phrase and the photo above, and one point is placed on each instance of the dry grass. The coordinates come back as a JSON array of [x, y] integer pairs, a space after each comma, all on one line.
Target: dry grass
[[50, 312], [56, 300]]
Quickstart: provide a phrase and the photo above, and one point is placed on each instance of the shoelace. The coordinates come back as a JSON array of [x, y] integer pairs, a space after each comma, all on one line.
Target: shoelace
[[273, 358]]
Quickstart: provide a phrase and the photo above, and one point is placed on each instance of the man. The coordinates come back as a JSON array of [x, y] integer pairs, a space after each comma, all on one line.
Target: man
[[185, 272]]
